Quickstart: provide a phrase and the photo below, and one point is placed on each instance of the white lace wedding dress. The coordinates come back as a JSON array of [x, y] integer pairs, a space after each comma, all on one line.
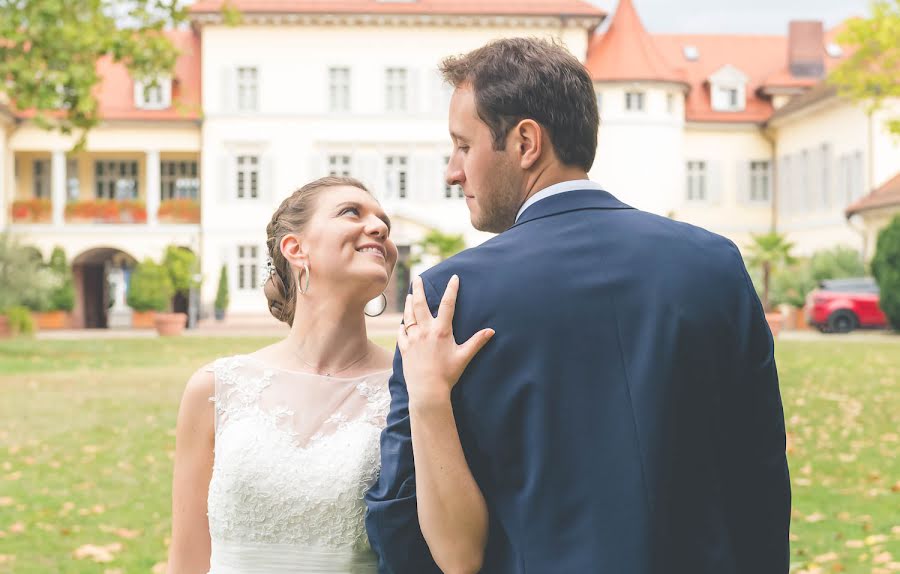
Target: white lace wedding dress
[[294, 455]]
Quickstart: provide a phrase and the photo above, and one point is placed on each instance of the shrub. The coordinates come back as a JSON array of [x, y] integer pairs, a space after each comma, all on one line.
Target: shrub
[[222, 298], [150, 288], [20, 321], [886, 268]]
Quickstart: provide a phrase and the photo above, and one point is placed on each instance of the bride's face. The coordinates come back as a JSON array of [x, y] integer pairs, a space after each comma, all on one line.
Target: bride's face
[[348, 244]]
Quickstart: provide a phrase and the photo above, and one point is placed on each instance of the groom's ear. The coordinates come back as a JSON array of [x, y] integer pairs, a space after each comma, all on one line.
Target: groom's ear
[[528, 139]]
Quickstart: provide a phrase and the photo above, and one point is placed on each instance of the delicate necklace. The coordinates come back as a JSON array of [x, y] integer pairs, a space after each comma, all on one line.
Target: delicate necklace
[[317, 369]]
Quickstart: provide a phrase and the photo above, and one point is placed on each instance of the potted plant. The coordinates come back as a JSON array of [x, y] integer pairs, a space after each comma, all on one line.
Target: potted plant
[[181, 266], [222, 301], [769, 252], [61, 296], [150, 291]]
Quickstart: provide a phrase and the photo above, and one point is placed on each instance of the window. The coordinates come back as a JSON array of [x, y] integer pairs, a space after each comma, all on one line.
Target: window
[[248, 88], [339, 89], [73, 185], [154, 94], [395, 85], [634, 101], [451, 191], [41, 182], [696, 181], [178, 180], [116, 179], [825, 181], [759, 180], [247, 267], [395, 168], [728, 98], [670, 103], [339, 165], [247, 176]]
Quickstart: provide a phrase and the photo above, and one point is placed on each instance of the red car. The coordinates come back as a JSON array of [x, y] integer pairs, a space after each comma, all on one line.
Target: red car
[[842, 305]]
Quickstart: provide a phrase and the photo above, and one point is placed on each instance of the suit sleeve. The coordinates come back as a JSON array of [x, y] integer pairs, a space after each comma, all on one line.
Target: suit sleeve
[[392, 521], [755, 473]]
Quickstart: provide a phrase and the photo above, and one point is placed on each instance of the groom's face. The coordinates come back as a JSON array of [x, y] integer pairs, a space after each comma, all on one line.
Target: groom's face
[[491, 180]]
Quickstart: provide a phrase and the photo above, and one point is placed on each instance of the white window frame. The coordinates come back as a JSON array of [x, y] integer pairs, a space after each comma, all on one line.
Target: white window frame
[[179, 179], [153, 94], [760, 173], [697, 180], [396, 169], [670, 103], [247, 267], [247, 168], [118, 186], [247, 88], [340, 165], [396, 89], [635, 101], [339, 88], [41, 179]]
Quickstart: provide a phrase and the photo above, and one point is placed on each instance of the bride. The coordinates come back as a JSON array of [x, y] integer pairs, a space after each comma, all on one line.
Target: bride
[[275, 449]]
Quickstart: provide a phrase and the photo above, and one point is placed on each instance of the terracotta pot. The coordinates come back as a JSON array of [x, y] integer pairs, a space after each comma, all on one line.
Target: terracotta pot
[[800, 320], [775, 320], [170, 324], [5, 331], [51, 320], [143, 320]]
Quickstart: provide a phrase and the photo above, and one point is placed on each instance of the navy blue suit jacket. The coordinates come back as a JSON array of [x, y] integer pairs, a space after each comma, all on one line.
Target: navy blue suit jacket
[[624, 419]]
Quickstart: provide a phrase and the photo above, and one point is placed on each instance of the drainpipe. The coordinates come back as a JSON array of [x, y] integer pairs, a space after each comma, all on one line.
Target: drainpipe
[[773, 161]]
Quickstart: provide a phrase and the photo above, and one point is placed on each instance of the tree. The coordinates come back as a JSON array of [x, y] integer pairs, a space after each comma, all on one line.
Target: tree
[[222, 298], [768, 252], [20, 274], [792, 284], [50, 49], [63, 296], [870, 73], [886, 268], [181, 264], [442, 245]]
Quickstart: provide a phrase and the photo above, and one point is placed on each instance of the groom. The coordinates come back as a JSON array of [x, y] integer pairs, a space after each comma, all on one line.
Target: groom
[[626, 416]]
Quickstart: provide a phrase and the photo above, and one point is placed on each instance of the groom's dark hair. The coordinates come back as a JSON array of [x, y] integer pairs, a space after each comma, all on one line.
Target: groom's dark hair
[[529, 78]]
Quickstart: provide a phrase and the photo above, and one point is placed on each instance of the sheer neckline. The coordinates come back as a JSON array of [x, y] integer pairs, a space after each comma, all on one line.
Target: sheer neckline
[[309, 374]]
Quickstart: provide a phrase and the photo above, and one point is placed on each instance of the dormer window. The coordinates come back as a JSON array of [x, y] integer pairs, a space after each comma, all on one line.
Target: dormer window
[[728, 90], [153, 94]]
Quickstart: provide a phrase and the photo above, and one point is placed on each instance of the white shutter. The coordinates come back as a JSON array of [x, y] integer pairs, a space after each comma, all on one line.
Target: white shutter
[[228, 178], [228, 90], [267, 183], [414, 90], [318, 165], [714, 182], [784, 166], [366, 164], [421, 180], [743, 182], [770, 183]]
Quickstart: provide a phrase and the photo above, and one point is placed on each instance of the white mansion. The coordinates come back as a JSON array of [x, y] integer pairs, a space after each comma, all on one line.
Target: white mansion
[[733, 133]]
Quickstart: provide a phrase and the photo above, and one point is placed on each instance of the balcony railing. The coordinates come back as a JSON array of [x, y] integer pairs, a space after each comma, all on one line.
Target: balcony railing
[[179, 211], [106, 211], [32, 211]]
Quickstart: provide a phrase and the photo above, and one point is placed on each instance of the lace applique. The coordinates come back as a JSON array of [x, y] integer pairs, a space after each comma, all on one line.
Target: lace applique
[[275, 479]]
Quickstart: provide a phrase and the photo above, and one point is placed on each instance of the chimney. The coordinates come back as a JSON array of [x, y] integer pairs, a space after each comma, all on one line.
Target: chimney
[[806, 41]]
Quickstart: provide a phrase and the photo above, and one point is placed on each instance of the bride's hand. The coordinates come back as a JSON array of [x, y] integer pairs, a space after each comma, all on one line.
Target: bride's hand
[[432, 361]]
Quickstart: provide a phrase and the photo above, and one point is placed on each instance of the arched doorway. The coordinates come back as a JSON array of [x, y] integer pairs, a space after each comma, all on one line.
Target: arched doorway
[[100, 276]]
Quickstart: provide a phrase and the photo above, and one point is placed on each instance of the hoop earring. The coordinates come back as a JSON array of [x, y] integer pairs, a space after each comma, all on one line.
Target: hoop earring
[[383, 307], [303, 290]]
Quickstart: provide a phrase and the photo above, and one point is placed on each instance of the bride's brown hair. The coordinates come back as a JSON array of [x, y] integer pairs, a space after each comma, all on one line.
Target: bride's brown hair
[[291, 217]]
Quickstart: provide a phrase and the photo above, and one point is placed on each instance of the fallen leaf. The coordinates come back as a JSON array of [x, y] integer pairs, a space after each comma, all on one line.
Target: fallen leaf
[[98, 553]]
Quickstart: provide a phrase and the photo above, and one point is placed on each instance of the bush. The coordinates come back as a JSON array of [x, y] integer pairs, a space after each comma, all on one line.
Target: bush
[[63, 296], [792, 284], [150, 288], [20, 274], [886, 268], [20, 321], [181, 265], [222, 298]]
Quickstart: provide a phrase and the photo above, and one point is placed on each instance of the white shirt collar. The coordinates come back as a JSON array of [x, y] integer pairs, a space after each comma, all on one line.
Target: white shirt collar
[[556, 189]]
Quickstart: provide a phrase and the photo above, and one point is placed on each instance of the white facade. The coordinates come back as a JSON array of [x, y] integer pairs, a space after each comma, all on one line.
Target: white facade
[[295, 103]]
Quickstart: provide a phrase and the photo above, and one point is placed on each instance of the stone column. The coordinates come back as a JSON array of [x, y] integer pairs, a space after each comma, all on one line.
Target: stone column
[[151, 193], [58, 186]]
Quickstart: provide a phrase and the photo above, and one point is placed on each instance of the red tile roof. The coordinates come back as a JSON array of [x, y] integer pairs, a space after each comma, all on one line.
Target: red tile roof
[[116, 90], [459, 7], [626, 52], [888, 195]]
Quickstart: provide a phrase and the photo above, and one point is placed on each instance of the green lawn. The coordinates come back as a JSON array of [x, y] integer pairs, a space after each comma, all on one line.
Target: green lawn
[[86, 444]]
